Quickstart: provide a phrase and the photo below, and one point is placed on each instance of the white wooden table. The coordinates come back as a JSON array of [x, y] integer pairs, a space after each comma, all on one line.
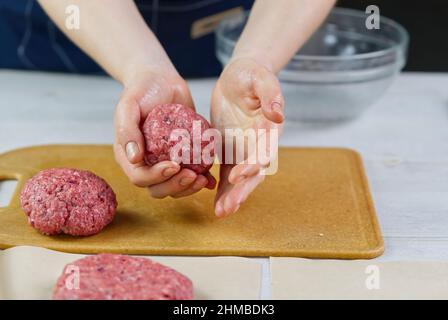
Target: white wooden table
[[403, 139]]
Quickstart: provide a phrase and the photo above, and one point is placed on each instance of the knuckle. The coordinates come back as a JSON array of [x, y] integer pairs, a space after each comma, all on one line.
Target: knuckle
[[280, 99], [183, 87], [121, 130]]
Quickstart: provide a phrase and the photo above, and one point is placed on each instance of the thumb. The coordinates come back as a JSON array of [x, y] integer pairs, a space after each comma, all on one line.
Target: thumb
[[182, 95], [127, 129], [267, 89]]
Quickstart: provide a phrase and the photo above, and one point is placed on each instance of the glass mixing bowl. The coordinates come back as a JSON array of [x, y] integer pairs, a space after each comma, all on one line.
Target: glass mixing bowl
[[342, 69]]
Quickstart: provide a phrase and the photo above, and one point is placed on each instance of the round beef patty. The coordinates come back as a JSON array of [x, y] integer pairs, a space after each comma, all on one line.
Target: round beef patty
[[121, 277], [157, 128], [68, 201]]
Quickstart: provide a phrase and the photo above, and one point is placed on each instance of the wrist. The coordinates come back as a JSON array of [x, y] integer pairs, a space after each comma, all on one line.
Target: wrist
[[136, 69], [256, 56]]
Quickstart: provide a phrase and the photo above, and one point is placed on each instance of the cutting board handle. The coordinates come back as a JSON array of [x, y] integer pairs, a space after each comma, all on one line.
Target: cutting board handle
[[10, 173]]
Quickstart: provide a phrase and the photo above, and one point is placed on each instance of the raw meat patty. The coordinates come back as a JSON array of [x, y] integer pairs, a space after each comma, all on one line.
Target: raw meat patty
[[68, 201], [157, 128], [121, 277]]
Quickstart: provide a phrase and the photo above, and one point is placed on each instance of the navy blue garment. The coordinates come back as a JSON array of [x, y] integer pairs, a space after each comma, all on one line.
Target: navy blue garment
[[30, 40]]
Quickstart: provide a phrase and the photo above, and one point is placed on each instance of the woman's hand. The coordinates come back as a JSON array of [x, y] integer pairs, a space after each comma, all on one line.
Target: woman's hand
[[144, 90], [131, 53], [247, 95]]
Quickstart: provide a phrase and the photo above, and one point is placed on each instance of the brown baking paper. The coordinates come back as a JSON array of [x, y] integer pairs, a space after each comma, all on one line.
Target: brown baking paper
[[31, 273], [331, 279]]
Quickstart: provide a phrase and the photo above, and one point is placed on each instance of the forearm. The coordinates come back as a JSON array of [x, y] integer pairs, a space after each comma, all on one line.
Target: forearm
[[277, 29], [113, 33]]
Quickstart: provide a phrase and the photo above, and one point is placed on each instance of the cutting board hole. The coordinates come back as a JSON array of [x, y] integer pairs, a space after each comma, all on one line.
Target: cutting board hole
[[7, 188]]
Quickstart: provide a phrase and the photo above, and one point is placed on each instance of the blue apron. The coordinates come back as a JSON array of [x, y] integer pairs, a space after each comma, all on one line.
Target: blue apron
[[30, 40]]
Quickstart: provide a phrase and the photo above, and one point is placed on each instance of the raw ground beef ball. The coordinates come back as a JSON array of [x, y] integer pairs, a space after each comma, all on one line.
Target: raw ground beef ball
[[68, 201], [121, 277], [157, 128]]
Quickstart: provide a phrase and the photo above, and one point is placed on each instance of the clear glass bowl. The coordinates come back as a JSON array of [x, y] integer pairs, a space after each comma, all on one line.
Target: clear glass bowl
[[342, 69]]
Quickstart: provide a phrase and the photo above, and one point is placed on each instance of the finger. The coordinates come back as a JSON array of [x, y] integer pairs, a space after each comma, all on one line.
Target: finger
[[211, 181], [243, 171], [267, 89], [255, 161], [223, 187], [232, 200], [142, 175], [182, 95], [196, 186], [127, 130], [175, 185]]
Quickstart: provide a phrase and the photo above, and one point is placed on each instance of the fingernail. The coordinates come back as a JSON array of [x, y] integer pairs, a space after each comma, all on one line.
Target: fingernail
[[131, 150], [197, 185], [276, 107], [228, 207], [168, 172], [185, 181], [240, 178], [219, 211], [253, 169]]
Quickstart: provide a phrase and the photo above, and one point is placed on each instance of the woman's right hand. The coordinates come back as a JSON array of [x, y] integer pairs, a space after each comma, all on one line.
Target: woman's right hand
[[144, 90]]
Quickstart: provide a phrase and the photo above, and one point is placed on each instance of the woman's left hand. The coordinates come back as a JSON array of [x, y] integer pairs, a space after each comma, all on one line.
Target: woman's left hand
[[246, 96]]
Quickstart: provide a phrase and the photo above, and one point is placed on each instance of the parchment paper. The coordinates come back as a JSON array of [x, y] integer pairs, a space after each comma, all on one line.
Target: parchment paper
[[294, 278], [31, 273]]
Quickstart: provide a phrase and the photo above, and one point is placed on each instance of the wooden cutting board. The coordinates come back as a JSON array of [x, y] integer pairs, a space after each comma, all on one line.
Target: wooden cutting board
[[318, 205]]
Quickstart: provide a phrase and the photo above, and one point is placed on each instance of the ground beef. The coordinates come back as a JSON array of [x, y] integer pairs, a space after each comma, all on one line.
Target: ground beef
[[157, 128], [121, 277], [68, 201]]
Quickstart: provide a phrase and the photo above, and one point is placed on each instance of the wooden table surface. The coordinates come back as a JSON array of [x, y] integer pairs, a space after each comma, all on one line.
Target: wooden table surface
[[403, 139]]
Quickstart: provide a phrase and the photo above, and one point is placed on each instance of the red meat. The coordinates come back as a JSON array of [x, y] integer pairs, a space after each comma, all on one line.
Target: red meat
[[68, 201], [157, 128], [121, 277]]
